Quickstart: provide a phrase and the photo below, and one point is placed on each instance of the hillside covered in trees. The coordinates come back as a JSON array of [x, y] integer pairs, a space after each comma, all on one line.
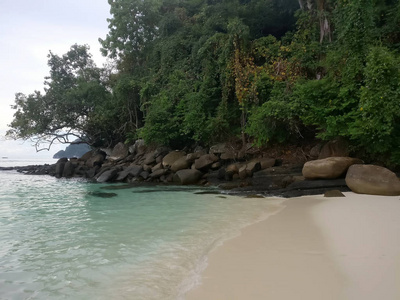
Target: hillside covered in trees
[[190, 72]]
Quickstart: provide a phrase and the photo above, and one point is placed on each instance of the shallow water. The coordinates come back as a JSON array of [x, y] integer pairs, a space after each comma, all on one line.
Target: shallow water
[[71, 239]]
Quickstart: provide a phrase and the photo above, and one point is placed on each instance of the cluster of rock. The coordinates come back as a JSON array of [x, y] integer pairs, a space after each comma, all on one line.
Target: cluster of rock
[[238, 170], [360, 178], [138, 164]]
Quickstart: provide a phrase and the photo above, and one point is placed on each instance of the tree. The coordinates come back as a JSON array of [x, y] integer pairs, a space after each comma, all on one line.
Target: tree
[[74, 94]]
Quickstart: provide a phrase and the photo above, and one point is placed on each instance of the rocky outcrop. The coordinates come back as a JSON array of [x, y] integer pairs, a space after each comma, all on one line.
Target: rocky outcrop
[[249, 172], [373, 180], [328, 168]]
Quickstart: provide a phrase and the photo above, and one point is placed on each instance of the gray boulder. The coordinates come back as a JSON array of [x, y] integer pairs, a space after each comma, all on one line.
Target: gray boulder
[[97, 159], [328, 168], [108, 175], [60, 167], [69, 169], [187, 176], [131, 171], [120, 151], [373, 180]]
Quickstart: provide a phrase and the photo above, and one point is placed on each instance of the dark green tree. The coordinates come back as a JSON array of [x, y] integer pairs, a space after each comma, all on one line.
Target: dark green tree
[[73, 98]]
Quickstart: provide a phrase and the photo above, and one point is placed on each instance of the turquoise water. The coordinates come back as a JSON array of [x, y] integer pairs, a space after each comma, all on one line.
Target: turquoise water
[[70, 239]]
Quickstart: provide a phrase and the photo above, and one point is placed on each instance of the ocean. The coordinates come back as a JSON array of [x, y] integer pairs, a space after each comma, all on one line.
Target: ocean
[[73, 239]]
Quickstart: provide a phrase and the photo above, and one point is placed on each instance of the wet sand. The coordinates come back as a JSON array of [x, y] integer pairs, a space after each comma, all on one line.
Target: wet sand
[[315, 248]]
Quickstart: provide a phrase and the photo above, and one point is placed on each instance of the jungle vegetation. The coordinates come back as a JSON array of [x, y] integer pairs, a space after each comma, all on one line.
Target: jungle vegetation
[[204, 71]]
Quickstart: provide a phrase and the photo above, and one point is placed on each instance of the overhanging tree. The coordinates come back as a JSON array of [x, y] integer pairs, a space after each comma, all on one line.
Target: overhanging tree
[[74, 95]]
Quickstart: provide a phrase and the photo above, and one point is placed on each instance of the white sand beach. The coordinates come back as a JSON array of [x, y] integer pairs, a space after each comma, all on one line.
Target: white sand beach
[[315, 248]]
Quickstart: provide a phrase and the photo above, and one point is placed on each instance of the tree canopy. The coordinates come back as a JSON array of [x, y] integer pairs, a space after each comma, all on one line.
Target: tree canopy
[[201, 71]]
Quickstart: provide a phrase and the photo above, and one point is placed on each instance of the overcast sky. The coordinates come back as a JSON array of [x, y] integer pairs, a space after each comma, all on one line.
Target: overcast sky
[[28, 30]]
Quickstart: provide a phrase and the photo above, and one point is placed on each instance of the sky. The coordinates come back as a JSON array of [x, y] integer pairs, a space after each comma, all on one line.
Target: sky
[[29, 29]]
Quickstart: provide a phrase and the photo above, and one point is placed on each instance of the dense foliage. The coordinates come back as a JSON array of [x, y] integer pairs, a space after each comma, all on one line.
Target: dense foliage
[[204, 71]]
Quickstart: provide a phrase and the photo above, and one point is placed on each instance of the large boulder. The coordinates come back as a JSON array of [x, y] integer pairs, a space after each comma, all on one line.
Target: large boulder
[[373, 180], [205, 161], [187, 176], [108, 176], [131, 171], [171, 157], [120, 151], [180, 164], [69, 169], [328, 168], [60, 167], [96, 159]]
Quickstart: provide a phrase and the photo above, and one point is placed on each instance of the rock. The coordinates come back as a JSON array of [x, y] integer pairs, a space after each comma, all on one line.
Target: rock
[[335, 148], [266, 163], [333, 193], [144, 175], [328, 168], [87, 155], [97, 159], [161, 151], [133, 171], [146, 168], [205, 161], [120, 151], [315, 151], [233, 168], [218, 148], [180, 164], [158, 173], [242, 172], [62, 160], [108, 176], [150, 158], [229, 155], [92, 172], [69, 168], [252, 167], [373, 180], [171, 157], [60, 167], [216, 165], [139, 147], [157, 167], [191, 157], [187, 176]]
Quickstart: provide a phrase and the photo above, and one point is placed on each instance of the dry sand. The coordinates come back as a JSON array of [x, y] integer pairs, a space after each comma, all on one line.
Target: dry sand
[[315, 248]]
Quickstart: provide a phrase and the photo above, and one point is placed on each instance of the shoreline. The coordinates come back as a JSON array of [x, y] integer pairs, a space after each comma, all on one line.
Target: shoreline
[[315, 248]]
